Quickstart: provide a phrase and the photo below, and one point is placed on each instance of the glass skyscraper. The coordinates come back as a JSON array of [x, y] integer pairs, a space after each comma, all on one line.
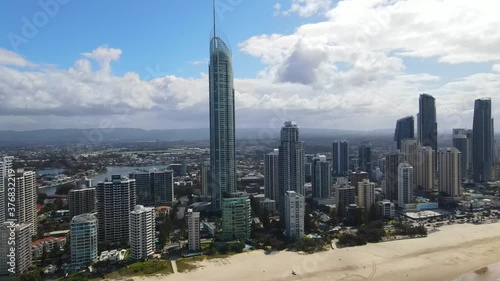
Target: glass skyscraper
[[222, 123], [426, 123], [482, 141], [405, 129]]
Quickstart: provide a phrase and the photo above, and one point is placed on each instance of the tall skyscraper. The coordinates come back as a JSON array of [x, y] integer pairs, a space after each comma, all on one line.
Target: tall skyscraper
[[449, 179], [410, 147], [19, 252], [424, 174], [482, 140], [5, 167], [366, 194], [290, 164], [81, 201], [193, 225], [405, 184], [115, 200], [154, 188], [222, 121], [26, 195], [236, 217], [83, 231], [321, 177], [461, 142], [142, 232], [392, 161], [271, 174], [295, 205], [405, 129], [427, 124], [340, 158], [365, 158]]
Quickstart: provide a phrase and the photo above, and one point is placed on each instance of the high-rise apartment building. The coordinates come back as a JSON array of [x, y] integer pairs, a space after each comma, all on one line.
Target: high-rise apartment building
[[271, 174], [115, 200], [5, 168], [482, 140], [290, 164], [461, 142], [424, 173], [410, 147], [344, 196], [236, 217], [294, 214], [449, 179], [83, 231], [26, 195], [321, 177], [405, 129], [193, 225], [142, 232], [427, 124], [154, 188], [222, 122], [405, 184], [392, 161], [366, 194], [81, 201], [340, 158], [357, 177], [15, 258]]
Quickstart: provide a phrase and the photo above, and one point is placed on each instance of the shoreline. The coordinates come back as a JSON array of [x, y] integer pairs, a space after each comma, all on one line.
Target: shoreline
[[446, 255]]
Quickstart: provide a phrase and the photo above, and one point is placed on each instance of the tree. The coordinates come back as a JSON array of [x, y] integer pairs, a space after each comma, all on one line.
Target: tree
[[64, 189], [43, 258], [41, 198]]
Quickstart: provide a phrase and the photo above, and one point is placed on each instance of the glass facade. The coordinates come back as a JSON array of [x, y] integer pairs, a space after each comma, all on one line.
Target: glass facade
[[405, 129], [482, 141]]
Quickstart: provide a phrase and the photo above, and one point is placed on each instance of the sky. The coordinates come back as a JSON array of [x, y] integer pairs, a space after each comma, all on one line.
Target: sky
[[347, 64]]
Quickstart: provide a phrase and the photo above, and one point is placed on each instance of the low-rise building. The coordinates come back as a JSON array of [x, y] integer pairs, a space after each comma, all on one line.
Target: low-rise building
[[49, 243], [386, 209]]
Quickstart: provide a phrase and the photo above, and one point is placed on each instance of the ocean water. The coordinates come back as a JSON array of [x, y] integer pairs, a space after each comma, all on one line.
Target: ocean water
[[488, 273]]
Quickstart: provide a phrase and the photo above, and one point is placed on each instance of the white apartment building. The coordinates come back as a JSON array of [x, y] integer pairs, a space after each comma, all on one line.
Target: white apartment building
[[193, 224], [294, 214], [142, 232]]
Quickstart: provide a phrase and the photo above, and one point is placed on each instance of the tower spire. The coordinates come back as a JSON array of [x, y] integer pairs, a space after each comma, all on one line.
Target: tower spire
[[214, 15]]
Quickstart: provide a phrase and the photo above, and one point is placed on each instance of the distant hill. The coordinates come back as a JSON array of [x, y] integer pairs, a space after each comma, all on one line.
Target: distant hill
[[120, 135]]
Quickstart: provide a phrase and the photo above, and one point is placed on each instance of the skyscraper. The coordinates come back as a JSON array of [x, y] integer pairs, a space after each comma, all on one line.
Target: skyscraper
[[154, 188], [482, 140], [271, 174], [405, 184], [449, 179], [81, 201], [236, 217], [365, 158], [142, 232], [83, 240], [26, 195], [427, 124], [461, 142], [405, 129], [222, 122], [340, 158], [294, 214], [321, 177], [290, 164], [410, 147], [424, 174], [366, 194], [205, 181], [5, 166], [115, 200], [392, 161], [193, 225], [344, 196]]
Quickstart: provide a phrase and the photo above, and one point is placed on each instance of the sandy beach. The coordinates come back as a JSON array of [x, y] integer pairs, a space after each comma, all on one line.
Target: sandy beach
[[444, 255]]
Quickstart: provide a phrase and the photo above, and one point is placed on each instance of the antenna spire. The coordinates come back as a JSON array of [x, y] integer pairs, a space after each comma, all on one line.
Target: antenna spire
[[214, 16]]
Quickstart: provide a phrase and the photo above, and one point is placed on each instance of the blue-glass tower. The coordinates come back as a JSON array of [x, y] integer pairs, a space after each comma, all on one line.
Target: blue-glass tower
[[405, 129], [482, 141]]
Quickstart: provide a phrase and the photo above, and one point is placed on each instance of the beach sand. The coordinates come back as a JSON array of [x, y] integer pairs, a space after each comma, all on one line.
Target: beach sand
[[444, 255]]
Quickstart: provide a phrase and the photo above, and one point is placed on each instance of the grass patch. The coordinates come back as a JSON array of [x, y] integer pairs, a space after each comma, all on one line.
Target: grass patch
[[188, 264], [143, 268], [205, 246], [218, 256], [75, 277]]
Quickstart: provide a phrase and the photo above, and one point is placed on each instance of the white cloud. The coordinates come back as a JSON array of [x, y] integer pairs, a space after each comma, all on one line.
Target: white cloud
[[10, 58], [496, 68], [308, 8]]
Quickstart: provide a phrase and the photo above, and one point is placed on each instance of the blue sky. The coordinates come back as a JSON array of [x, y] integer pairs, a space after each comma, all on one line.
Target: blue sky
[[347, 64], [170, 34]]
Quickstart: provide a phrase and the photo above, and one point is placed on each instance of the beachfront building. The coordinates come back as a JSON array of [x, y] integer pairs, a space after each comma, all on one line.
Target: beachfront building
[[449, 171], [236, 217], [424, 171], [142, 232], [386, 209], [271, 174], [405, 184], [154, 188], [321, 177], [392, 161], [366, 194], [193, 225], [83, 231], [294, 214], [344, 196]]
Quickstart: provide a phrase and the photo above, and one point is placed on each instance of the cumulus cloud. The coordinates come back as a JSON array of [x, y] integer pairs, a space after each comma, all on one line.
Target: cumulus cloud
[[349, 70]]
